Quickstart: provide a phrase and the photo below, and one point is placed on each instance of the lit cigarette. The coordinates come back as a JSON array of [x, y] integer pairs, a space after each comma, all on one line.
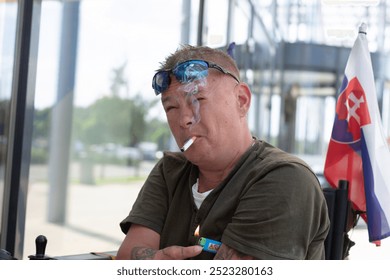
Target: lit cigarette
[[188, 144]]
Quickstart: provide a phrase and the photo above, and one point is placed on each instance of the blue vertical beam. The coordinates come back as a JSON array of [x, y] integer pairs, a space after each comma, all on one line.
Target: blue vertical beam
[[186, 22], [61, 127]]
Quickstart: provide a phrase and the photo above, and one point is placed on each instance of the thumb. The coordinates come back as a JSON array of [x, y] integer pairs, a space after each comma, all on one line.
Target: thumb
[[190, 251], [194, 250], [179, 252]]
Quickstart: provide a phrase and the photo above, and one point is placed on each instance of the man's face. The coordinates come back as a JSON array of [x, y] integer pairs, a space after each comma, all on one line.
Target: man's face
[[207, 109]]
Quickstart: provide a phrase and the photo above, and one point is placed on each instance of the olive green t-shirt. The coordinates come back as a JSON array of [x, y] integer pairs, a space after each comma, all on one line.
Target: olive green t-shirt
[[270, 206]]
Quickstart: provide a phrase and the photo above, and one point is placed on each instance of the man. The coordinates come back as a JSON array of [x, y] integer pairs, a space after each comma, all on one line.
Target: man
[[258, 201]]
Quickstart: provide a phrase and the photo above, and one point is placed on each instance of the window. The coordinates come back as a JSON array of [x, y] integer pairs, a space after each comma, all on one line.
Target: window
[[8, 15], [96, 135]]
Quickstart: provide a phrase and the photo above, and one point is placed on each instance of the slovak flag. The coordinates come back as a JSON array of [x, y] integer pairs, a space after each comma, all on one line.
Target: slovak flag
[[358, 151]]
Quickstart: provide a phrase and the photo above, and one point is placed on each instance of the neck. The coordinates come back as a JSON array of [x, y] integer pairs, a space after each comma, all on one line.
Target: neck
[[211, 177], [208, 181]]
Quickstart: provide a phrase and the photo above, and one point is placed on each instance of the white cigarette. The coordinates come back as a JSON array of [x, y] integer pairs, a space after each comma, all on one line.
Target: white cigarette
[[188, 144]]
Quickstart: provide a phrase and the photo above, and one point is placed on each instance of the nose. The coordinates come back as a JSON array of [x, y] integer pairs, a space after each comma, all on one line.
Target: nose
[[189, 113], [187, 117]]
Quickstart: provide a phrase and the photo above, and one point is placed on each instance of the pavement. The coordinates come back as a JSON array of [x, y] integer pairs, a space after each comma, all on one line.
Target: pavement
[[93, 214], [92, 219], [363, 249]]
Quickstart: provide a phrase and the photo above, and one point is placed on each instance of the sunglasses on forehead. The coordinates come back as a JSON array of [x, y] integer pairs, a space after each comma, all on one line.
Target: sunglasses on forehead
[[185, 72]]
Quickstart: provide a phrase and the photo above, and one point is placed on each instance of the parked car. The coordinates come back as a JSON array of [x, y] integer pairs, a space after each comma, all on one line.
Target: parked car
[[148, 150]]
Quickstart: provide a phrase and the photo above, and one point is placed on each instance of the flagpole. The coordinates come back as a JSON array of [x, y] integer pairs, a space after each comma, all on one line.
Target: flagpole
[[363, 29]]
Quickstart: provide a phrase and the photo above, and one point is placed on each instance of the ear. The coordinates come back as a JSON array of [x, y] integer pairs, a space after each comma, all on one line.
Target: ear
[[244, 96]]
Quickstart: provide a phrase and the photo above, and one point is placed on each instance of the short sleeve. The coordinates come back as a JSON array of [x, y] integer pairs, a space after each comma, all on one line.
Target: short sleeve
[[280, 216], [151, 205]]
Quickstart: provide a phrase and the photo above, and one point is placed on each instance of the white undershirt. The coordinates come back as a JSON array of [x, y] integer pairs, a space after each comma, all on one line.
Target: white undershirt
[[199, 197]]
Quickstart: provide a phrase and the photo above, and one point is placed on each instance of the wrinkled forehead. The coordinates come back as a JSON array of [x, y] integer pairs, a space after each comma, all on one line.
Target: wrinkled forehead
[[176, 89]]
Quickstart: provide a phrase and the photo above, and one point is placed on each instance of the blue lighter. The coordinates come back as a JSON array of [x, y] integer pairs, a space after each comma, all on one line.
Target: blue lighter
[[209, 245]]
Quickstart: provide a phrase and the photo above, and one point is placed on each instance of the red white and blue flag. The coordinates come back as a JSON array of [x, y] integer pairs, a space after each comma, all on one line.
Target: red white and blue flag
[[358, 151]]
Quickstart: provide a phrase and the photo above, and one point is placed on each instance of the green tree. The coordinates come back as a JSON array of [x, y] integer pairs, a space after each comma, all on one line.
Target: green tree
[[119, 120], [41, 124], [105, 121], [158, 131], [40, 136], [113, 120]]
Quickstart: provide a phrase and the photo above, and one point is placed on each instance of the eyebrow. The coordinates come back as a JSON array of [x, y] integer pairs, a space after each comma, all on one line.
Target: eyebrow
[[165, 99], [169, 98]]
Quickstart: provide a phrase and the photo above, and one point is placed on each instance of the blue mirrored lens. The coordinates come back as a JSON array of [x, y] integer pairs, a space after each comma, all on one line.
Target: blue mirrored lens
[[185, 72], [190, 71], [161, 81]]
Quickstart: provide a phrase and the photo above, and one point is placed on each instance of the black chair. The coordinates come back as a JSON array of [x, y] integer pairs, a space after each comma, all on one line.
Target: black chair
[[337, 243]]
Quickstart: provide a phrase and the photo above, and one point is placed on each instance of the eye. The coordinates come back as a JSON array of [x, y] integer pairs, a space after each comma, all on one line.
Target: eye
[[169, 108], [200, 99], [195, 100]]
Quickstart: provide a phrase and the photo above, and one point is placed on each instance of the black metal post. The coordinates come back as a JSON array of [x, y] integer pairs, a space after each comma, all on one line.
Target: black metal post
[[200, 23], [20, 127]]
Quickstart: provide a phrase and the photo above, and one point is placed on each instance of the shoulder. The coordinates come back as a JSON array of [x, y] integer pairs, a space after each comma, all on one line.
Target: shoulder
[[172, 161], [170, 169], [277, 170], [269, 157]]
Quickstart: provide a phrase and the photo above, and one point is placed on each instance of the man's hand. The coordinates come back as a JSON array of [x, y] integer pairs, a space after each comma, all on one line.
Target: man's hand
[[168, 253]]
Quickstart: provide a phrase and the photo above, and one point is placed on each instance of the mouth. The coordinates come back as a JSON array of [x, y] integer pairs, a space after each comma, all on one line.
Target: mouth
[[188, 144]]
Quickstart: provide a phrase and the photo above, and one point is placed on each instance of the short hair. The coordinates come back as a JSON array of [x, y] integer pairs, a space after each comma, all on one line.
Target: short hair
[[187, 52]]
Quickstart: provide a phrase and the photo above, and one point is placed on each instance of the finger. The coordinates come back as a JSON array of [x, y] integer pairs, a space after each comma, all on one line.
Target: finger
[[188, 252], [179, 252], [192, 251]]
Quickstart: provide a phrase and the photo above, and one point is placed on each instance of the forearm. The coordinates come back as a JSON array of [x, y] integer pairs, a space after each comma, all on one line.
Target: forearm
[[143, 253], [227, 253], [168, 253], [139, 243], [142, 243]]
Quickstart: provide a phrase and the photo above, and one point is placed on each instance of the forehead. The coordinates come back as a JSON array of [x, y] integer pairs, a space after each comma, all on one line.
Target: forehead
[[177, 89]]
